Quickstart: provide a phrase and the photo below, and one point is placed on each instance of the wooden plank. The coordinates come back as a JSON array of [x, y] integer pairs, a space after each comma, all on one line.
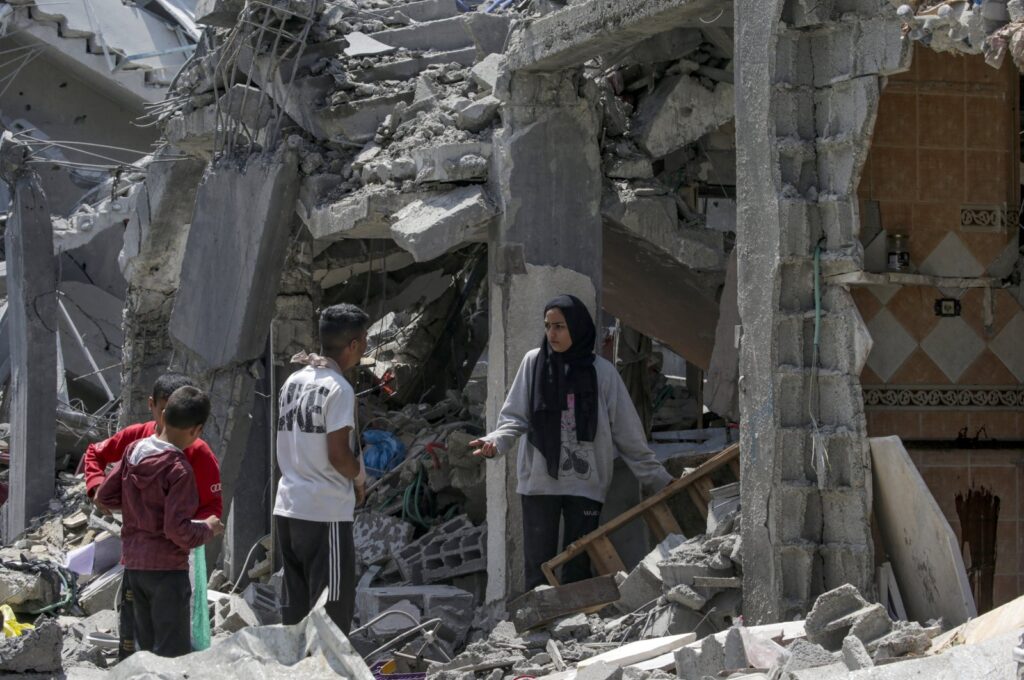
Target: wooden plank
[[662, 522], [1009, 617], [603, 556], [580, 545], [542, 606], [919, 542], [698, 501]]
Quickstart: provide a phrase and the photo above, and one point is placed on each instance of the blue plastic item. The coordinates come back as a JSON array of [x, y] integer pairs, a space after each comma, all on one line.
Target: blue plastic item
[[383, 452]]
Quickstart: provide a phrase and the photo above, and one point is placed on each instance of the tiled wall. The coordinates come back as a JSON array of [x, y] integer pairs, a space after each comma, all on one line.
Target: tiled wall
[[946, 139]]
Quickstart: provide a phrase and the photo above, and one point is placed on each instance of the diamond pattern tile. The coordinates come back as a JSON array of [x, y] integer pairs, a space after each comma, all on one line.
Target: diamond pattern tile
[[1003, 264], [953, 346], [884, 293], [951, 258], [893, 344], [1009, 346]]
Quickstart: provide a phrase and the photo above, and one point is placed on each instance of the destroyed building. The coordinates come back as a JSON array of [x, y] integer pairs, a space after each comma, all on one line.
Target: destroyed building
[[803, 210]]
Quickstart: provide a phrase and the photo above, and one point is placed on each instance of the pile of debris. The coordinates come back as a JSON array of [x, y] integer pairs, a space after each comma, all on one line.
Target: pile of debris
[[992, 28]]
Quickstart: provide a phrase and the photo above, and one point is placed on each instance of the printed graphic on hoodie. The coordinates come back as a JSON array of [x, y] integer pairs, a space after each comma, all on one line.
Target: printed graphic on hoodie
[[577, 457], [302, 406]]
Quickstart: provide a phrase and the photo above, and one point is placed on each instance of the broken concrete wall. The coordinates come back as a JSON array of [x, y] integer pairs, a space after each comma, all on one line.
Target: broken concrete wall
[[806, 102]]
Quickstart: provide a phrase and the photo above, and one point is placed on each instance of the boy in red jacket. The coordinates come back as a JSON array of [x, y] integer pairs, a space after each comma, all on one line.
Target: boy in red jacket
[[155, 489], [204, 464]]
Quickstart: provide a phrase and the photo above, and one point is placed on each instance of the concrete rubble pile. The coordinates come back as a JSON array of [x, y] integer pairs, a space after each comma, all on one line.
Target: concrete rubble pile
[[993, 28], [62, 574], [844, 636]]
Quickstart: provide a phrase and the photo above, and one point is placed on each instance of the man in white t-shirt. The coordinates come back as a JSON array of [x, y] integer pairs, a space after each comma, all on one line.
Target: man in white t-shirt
[[321, 474]]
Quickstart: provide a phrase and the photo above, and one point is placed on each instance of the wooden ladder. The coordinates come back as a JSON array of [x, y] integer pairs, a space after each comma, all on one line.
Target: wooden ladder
[[655, 512]]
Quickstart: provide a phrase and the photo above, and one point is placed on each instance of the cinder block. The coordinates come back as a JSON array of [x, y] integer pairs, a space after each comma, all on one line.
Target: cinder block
[[800, 514], [798, 575]]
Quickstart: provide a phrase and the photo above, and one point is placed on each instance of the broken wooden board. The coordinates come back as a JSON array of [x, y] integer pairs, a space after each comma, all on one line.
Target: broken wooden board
[[659, 518], [641, 650], [918, 540], [545, 605], [1009, 617]]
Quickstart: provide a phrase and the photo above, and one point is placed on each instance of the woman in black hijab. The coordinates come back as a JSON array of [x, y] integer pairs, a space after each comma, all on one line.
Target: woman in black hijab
[[577, 414]]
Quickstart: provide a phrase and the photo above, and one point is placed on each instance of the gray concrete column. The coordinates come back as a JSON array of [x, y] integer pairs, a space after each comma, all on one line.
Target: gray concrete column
[[806, 98], [32, 326], [547, 175]]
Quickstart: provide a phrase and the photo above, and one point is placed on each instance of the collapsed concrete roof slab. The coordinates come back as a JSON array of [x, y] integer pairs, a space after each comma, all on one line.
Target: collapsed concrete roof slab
[[658, 297], [654, 220], [241, 223], [589, 29], [366, 213], [430, 227]]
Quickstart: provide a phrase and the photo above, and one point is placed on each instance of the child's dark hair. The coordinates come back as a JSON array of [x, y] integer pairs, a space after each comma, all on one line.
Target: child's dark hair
[[187, 407], [166, 385], [341, 324]]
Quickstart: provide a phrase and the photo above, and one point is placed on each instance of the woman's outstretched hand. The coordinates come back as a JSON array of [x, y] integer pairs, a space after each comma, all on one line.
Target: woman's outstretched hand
[[484, 448]]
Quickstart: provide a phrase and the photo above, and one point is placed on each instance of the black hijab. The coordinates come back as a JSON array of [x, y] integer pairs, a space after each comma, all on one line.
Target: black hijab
[[555, 375]]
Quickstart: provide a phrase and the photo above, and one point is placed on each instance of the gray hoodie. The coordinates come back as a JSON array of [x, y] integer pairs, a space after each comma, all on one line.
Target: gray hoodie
[[585, 468]]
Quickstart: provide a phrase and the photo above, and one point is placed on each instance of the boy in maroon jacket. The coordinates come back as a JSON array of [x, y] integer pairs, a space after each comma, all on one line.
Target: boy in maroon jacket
[[155, 488]]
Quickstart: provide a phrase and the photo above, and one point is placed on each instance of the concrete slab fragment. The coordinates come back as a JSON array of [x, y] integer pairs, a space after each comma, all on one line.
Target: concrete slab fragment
[[924, 550], [444, 34], [241, 225], [364, 214], [680, 111], [430, 227], [457, 162], [592, 28], [362, 45]]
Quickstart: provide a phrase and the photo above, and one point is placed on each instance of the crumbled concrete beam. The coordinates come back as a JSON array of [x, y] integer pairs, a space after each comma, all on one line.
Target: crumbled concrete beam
[[431, 227], [405, 69], [220, 13], [544, 605], [584, 30], [89, 221], [234, 257], [31, 320], [303, 101], [456, 162], [444, 34], [679, 112], [366, 213]]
